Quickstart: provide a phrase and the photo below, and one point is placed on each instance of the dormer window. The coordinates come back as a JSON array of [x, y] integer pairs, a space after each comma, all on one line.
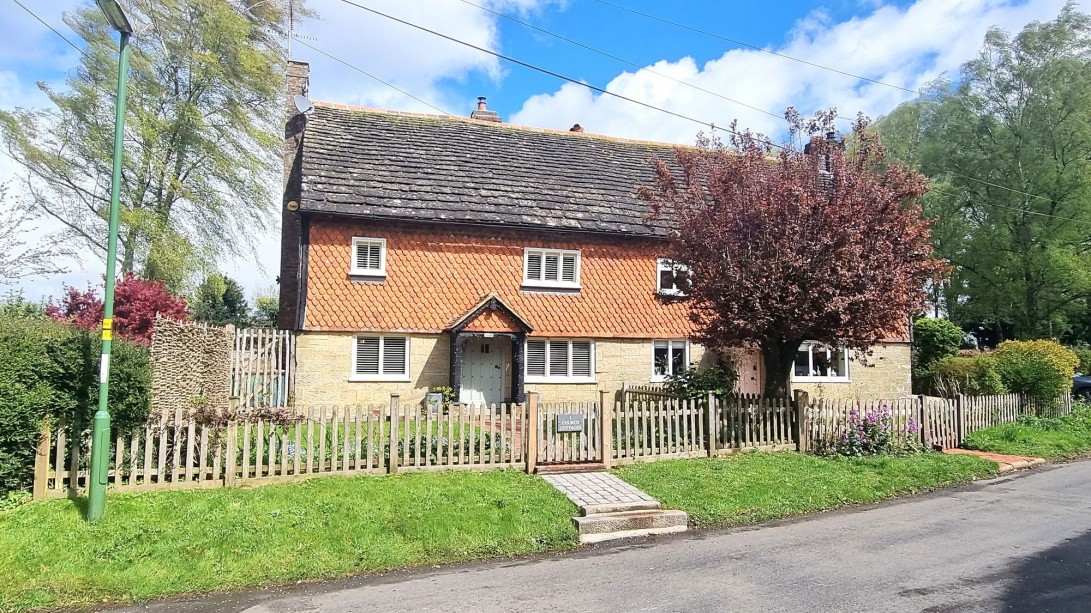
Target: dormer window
[[551, 268], [672, 278], [368, 257]]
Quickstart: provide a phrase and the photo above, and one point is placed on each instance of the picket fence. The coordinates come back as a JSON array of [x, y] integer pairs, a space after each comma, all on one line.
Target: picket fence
[[175, 451], [262, 367]]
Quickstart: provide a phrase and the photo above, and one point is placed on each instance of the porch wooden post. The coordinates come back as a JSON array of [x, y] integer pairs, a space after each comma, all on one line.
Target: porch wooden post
[[532, 432], [41, 463], [606, 429], [394, 411]]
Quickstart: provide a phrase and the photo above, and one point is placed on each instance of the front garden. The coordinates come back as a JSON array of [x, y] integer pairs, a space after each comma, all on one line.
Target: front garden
[[1052, 438]]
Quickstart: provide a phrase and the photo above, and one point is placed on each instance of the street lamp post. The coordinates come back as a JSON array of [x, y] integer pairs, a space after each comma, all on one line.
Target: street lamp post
[[100, 434]]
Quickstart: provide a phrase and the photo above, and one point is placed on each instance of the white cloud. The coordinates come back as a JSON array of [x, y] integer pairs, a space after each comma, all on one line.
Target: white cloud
[[907, 47]]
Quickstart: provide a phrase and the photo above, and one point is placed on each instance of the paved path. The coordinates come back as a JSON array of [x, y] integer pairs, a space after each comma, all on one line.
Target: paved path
[[1007, 463], [595, 489], [1018, 543]]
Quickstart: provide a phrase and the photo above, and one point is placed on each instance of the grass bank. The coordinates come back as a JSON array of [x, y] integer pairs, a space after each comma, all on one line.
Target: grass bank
[[755, 487], [1039, 437], [157, 544]]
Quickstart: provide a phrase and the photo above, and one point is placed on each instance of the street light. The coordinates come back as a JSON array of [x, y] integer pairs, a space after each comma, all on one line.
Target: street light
[[100, 432]]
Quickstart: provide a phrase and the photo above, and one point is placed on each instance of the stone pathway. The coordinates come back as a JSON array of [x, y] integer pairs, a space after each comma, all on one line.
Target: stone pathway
[[597, 488], [1007, 463]]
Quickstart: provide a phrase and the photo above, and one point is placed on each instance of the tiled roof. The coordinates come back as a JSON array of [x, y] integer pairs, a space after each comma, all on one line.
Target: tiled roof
[[381, 164], [435, 276]]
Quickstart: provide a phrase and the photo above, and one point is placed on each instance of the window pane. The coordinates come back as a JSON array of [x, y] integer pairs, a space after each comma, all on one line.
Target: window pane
[[581, 358], [375, 252], [839, 366], [678, 358], [802, 366], [534, 266], [666, 279], [661, 358], [536, 358], [394, 356], [551, 267], [568, 268], [367, 355], [820, 361], [558, 359]]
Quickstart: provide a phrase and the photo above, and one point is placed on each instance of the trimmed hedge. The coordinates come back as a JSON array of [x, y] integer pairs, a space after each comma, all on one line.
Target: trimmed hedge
[[51, 369], [972, 375], [1041, 369]]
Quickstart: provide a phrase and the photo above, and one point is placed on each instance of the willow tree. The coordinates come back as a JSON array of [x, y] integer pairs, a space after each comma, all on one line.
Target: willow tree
[[201, 134], [821, 244]]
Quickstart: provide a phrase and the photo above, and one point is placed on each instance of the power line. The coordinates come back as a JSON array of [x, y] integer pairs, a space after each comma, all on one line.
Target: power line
[[754, 47], [55, 31], [1000, 186], [619, 59], [368, 74], [551, 73], [1011, 208]]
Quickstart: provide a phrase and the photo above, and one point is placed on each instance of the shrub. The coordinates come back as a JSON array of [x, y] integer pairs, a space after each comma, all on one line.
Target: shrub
[[51, 369], [934, 340], [136, 304], [974, 376], [693, 382], [1041, 369], [1084, 354], [873, 434]]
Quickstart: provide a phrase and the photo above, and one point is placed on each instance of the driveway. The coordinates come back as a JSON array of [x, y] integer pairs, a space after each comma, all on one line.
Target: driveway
[[1018, 543]]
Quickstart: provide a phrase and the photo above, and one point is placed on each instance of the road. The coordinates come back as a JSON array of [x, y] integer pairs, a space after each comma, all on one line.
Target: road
[[1020, 543]]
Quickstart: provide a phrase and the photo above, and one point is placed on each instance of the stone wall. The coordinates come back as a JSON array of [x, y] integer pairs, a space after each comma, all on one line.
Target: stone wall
[[885, 373], [190, 362]]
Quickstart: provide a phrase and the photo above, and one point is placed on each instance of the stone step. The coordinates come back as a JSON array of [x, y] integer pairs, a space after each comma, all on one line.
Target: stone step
[[626, 524], [618, 507]]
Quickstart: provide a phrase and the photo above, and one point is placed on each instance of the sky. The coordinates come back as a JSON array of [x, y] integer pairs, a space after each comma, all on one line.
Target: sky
[[760, 58]]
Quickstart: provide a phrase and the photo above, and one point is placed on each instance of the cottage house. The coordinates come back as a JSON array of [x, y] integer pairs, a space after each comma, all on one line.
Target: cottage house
[[424, 251]]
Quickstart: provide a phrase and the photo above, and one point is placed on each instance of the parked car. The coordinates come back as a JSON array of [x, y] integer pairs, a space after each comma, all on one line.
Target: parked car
[[1081, 387]]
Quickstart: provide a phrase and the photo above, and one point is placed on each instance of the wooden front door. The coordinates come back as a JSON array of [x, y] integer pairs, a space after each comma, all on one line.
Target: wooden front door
[[483, 371]]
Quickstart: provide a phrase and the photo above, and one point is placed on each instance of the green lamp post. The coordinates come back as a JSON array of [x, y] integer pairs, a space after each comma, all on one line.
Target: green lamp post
[[100, 433]]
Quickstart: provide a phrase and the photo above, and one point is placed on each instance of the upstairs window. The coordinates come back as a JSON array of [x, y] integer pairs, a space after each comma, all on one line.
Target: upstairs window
[[380, 358], [672, 278], [816, 362], [368, 257], [551, 268], [560, 361], [669, 358]]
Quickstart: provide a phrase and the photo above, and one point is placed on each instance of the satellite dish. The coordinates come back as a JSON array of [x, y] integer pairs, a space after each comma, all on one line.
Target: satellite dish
[[303, 105]]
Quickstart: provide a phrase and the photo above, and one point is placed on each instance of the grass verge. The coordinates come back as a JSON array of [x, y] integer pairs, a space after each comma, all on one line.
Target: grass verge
[[755, 487], [157, 544], [1039, 437]]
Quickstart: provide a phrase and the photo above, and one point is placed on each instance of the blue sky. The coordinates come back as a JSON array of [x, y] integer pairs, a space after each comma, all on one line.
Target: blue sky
[[905, 43]]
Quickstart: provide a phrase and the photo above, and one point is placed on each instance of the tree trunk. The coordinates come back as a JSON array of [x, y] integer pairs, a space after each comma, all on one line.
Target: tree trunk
[[777, 357]]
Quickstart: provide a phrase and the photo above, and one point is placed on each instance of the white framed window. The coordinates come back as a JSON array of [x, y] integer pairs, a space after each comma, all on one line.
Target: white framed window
[[560, 361], [669, 358], [816, 362], [368, 257], [672, 278], [380, 358], [551, 268]]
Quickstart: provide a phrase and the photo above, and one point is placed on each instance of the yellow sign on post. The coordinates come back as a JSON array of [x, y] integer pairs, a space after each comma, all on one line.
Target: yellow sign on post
[[107, 329]]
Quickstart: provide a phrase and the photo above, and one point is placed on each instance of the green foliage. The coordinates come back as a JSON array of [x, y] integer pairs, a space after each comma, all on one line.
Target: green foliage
[[14, 305], [1040, 437], [1084, 354], [200, 142], [1040, 369], [694, 382], [50, 369], [975, 375], [1009, 194], [933, 340], [220, 301], [160, 543], [266, 310]]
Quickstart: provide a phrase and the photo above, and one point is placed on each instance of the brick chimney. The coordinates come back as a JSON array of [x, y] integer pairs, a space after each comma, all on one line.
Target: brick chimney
[[483, 113], [293, 234]]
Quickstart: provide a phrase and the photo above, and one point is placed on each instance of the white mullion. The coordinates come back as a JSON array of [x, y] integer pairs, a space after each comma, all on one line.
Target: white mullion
[[569, 343], [382, 348]]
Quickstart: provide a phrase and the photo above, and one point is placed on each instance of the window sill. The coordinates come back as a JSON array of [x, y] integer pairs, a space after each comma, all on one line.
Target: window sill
[[379, 378], [821, 380], [587, 380], [551, 287], [672, 293], [378, 275]]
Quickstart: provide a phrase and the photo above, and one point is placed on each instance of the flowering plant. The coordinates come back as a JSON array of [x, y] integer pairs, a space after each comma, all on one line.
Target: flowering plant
[[873, 433]]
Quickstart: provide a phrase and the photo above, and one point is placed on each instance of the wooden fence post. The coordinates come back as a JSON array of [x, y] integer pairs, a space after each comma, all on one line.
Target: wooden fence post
[[921, 420], [41, 463], [960, 419], [532, 432], [802, 432], [395, 416], [713, 427], [230, 454], [606, 428]]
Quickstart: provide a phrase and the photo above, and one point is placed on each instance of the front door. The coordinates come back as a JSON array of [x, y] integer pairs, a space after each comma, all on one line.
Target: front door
[[482, 372]]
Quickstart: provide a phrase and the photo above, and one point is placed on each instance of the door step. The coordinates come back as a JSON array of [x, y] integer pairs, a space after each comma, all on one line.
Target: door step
[[599, 527]]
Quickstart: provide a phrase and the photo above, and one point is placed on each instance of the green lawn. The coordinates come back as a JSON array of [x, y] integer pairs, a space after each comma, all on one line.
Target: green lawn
[[1050, 438], [754, 487], [161, 543]]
